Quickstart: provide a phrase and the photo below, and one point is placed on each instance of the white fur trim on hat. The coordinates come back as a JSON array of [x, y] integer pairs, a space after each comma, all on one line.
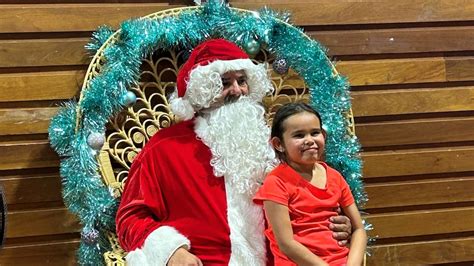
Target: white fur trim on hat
[[158, 248], [204, 85], [181, 107]]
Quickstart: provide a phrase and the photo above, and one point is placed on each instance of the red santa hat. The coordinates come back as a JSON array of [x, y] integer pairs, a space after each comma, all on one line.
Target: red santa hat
[[199, 80]]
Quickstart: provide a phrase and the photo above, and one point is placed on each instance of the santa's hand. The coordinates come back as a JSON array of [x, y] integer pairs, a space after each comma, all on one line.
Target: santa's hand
[[183, 257], [341, 228]]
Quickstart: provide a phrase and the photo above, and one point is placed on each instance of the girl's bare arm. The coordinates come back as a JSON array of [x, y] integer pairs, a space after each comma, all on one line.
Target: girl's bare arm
[[359, 236], [279, 218]]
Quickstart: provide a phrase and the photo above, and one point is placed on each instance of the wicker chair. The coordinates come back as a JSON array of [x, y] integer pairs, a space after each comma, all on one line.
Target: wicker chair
[[128, 132]]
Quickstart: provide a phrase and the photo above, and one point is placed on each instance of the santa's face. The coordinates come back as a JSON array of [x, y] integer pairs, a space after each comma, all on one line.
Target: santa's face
[[234, 85]]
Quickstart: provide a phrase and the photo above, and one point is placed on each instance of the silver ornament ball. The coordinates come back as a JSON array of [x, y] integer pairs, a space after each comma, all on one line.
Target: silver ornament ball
[[96, 140], [252, 47], [90, 236], [280, 66], [128, 99]]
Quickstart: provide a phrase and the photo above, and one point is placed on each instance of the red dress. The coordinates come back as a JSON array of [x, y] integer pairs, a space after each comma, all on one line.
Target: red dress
[[310, 209]]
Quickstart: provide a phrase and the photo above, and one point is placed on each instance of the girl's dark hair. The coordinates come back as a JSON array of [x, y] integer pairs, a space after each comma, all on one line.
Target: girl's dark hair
[[282, 114]]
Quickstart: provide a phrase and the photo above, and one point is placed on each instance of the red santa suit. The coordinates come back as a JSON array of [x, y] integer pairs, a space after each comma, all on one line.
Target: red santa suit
[[172, 184], [174, 195]]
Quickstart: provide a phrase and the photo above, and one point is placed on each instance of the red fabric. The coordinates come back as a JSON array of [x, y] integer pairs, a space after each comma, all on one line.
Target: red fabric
[[310, 209], [205, 53], [172, 183]]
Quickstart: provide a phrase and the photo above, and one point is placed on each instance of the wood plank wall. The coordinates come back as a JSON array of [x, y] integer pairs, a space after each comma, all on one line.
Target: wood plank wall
[[411, 67]]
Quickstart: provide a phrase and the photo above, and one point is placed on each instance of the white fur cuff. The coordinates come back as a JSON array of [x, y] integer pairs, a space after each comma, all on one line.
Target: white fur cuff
[[158, 248]]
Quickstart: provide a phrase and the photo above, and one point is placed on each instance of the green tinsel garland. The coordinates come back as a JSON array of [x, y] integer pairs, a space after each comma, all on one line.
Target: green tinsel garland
[[83, 191]]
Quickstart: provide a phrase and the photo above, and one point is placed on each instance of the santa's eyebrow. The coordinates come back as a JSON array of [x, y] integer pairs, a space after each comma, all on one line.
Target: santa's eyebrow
[[238, 73]]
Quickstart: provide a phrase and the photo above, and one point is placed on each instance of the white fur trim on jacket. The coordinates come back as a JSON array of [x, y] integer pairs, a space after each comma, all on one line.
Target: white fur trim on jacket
[[246, 224], [158, 248], [204, 84]]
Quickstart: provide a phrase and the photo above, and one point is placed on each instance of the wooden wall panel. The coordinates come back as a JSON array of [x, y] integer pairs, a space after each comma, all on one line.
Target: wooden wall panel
[[393, 71], [415, 131], [399, 71], [61, 259], [307, 12], [35, 86], [41, 222], [413, 193], [418, 161], [27, 154], [71, 17], [413, 223], [393, 41], [43, 52], [411, 67], [424, 252], [395, 102], [56, 252], [457, 70], [34, 188], [16, 121]]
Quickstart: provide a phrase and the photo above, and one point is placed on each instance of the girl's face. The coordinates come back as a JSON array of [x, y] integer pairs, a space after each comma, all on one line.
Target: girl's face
[[303, 140]]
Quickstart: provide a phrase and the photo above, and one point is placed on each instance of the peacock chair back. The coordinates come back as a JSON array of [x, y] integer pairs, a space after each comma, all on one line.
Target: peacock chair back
[[124, 102]]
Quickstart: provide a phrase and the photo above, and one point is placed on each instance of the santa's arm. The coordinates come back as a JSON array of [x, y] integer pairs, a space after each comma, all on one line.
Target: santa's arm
[[139, 230]]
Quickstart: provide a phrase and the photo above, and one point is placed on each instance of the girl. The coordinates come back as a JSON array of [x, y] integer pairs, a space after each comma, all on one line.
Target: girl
[[302, 193]]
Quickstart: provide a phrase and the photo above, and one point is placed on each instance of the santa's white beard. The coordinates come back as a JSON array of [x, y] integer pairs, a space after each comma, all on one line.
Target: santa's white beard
[[238, 138]]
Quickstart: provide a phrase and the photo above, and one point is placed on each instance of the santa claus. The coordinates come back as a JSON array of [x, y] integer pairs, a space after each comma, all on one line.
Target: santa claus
[[188, 197]]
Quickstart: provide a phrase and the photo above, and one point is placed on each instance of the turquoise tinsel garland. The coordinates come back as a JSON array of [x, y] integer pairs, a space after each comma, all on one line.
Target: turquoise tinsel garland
[[83, 191]]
